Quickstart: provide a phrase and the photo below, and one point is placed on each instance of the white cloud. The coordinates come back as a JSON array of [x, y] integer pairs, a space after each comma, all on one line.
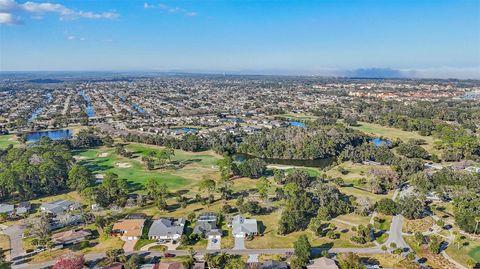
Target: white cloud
[[6, 5], [10, 8], [171, 9], [147, 5], [9, 19]]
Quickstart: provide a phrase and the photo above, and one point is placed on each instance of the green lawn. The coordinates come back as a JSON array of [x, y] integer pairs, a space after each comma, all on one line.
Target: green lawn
[[103, 159], [466, 253], [6, 140], [272, 238], [356, 171]]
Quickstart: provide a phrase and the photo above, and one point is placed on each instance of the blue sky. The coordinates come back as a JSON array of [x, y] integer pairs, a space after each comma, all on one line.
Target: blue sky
[[428, 37]]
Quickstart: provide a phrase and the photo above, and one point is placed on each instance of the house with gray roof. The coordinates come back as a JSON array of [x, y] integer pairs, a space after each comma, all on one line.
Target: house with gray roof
[[23, 208], [242, 227], [59, 207], [206, 224], [7, 209], [271, 264], [166, 229]]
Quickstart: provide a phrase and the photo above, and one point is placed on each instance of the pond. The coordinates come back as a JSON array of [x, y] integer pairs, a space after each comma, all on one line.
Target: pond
[[297, 124], [89, 108], [186, 129], [54, 135], [318, 163], [380, 142]]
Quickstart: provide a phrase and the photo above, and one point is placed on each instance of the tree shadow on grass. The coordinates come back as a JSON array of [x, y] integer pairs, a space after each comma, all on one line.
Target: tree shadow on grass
[[317, 250], [95, 165], [134, 186]]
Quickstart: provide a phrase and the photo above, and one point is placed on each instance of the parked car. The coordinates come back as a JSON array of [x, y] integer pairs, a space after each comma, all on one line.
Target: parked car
[[169, 255]]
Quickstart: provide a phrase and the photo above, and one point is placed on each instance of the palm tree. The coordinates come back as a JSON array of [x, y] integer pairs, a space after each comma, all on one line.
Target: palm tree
[[477, 220]]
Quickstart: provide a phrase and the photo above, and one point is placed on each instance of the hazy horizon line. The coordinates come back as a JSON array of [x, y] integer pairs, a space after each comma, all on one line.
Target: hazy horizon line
[[373, 72]]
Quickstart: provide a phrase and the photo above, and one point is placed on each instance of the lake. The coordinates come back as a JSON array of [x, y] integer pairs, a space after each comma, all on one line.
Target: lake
[[297, 124], [318, 163], [53, 134]]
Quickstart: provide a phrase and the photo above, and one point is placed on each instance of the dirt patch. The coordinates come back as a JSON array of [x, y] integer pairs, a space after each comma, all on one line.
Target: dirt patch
[[103, 155], [123, 165], [79, 158], [419, 225]]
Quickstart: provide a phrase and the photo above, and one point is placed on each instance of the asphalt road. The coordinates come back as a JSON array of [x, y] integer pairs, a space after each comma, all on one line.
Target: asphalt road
[[97, 256], [395, 234], [15, 233]]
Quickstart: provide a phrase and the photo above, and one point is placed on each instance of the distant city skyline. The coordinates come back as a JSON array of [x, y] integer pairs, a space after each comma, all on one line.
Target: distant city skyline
[[371, 38]]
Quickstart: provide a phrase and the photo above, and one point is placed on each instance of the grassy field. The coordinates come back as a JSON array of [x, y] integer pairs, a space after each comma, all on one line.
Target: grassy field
[[6, 140], [466, 253], [394, 133], [355, 173], [101, 160]]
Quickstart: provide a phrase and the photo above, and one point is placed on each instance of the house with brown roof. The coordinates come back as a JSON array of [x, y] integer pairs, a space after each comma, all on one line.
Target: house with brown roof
[[128, 229], [171, 265], [70, 237], [322, 263]]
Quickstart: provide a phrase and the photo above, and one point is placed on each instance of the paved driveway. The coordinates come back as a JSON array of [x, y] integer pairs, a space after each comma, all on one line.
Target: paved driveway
[[129, 245], [214, 242], [239, 243]]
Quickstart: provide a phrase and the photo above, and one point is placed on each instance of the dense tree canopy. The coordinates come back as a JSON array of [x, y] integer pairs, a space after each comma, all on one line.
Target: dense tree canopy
[[35, 170], [301, 143]]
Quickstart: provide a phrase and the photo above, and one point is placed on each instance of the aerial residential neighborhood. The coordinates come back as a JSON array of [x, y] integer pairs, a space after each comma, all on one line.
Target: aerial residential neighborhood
[[239, 134], [239, 184]]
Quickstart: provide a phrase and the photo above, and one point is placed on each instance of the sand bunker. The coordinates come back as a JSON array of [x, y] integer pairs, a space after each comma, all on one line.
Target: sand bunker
[[103, 155], [123, 165], [79, 158]]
